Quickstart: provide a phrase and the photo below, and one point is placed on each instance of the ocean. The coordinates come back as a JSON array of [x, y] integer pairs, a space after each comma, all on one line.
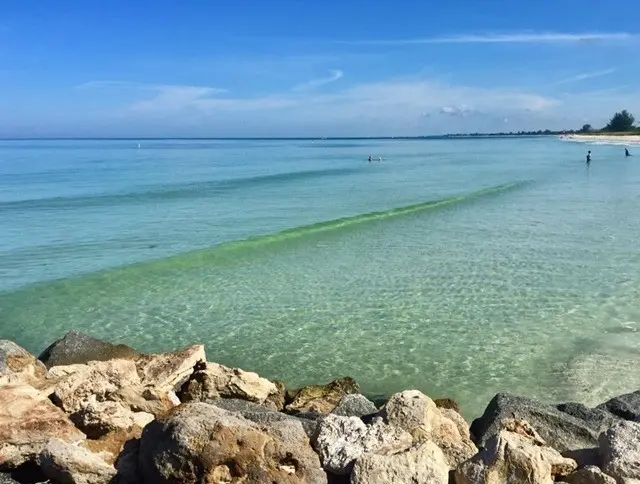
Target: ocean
[[460, 267]]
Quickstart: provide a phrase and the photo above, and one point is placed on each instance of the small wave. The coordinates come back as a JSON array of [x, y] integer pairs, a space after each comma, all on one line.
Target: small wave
[[172, 192]]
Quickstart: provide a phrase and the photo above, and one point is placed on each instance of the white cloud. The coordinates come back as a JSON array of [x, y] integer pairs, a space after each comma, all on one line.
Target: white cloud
[[586, 75], [509, 38], [402, 105], [335, 75], [462, 110]]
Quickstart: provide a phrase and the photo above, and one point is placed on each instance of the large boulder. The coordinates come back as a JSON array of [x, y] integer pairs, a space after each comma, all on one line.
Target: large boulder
[[27, 421], [198, 442], [423, 464], [341, 440], [562, 430], [90, 395], [107, 396], [98, 379], [80, 348], [217, 381], [416, 413], [620, 450], [354, 405], [71, 464], [17, 365], [625, 406], [322, 398], [589, 475], [516, 454]]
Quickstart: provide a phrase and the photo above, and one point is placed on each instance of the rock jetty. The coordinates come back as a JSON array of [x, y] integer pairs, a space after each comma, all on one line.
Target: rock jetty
[[90, 412]]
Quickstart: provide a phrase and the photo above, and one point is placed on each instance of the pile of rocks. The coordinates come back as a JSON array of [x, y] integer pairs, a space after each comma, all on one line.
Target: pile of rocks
[[87, 412]]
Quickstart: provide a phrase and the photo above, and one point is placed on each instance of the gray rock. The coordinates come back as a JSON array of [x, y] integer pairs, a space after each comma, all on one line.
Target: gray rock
[[199, 439], [263, 416], [562, 431], [596, 418], [589, 475], [80, 348], [625, 406], [355, 405], [339, 441], [620, 449], [72, 464]]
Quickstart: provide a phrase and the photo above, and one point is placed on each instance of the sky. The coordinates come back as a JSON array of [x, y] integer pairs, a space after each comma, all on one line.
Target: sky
[[289, 68]]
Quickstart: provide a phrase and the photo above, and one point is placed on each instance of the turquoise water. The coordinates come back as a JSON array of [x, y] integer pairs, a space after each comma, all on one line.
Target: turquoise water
[[458, 267]]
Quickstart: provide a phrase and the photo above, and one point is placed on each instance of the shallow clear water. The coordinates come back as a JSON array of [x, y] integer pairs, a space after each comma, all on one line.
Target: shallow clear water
[[459, 267]]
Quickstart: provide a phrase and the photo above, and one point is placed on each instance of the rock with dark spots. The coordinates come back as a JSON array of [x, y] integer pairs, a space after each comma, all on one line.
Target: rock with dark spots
[[620, 449], [625, 406], [199, 442], [217, 381], [354, 405], [447, 403], [322, 398], [263, 416], [560, 430], [81, 348], [339, 441], [17, 365]]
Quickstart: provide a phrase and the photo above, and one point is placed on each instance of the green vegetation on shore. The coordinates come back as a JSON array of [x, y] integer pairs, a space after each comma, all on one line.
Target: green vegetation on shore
[[620, 124]]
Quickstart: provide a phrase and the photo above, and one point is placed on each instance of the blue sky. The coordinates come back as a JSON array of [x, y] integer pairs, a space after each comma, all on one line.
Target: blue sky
[[303, 68]]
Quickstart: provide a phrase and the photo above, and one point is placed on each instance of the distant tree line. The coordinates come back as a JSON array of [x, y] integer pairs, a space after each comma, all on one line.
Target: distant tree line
[[622, 122]]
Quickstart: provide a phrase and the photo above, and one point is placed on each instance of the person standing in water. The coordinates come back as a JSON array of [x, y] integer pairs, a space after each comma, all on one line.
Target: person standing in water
[[369, 158], [589, 157], [626, 152]]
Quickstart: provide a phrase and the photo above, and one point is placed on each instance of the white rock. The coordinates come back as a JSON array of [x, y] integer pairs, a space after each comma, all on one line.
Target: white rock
[[168, 371], [217, 381], [28, 420], [341, 440], [70, 464], [516, 455], [424, 464], [416, 413]]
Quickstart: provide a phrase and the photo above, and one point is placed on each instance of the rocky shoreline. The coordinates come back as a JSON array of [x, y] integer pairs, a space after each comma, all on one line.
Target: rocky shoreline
[[91, 412]]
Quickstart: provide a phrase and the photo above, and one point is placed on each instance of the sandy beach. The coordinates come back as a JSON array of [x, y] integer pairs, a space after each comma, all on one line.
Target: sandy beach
[[625, 139]]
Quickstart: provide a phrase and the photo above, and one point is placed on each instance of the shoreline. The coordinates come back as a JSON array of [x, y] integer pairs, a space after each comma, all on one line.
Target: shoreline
[[614, 139], [90, 411]]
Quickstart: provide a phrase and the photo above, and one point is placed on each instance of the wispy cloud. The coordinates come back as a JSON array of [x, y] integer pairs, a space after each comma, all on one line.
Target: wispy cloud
[[509, 38], [586, 75], [159, 88], [307, 86]]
